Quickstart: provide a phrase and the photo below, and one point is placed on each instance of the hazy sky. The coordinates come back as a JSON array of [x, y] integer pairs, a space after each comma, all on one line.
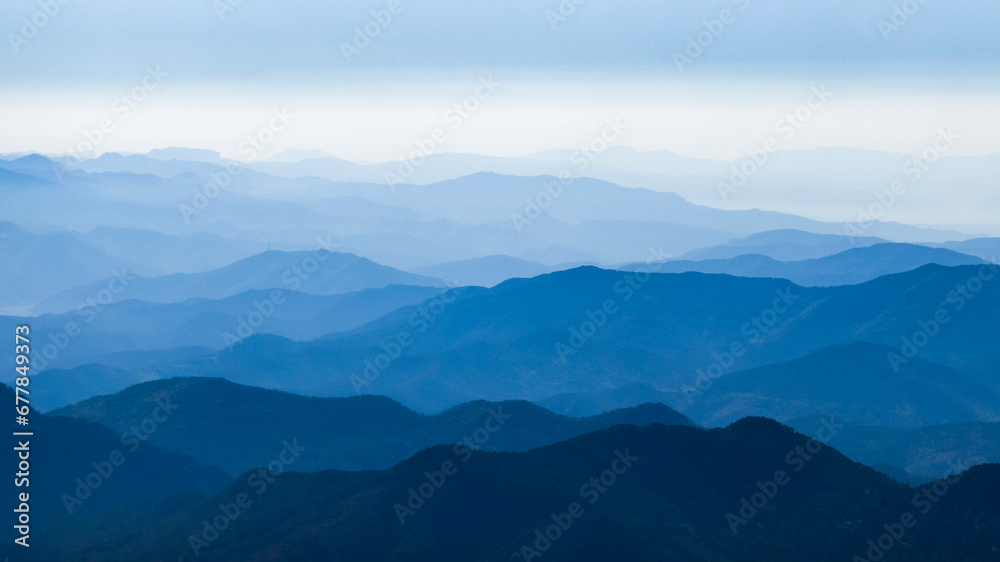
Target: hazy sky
[[557, 69]]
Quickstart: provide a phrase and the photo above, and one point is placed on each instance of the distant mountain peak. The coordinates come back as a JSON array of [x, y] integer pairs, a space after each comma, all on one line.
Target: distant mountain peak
[[760, 425]]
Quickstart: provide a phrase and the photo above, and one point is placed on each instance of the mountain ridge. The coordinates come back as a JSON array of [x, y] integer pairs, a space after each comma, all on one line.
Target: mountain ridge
[[353, 433]]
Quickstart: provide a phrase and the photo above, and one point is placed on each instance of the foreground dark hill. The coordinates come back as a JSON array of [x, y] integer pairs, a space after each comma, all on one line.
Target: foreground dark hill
[[668, 493], [850, 267], [855, 383], [79, 469], [358, 433], [925, 453], [319, 273], [549, 335]]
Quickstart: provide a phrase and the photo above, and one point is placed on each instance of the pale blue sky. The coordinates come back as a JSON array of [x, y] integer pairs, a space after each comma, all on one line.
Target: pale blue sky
[[227, 73]]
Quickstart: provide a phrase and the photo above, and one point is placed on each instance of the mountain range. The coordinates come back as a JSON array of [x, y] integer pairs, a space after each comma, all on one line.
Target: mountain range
[[849, 267], [535, 338], [356, 433], [209, 323], [487, 271], [152, 253], [803, 179], [404, 226], [36, 266], [616, 494], [319, 272], [415, 322], [924, 453], [854, 383], [127, 469]]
